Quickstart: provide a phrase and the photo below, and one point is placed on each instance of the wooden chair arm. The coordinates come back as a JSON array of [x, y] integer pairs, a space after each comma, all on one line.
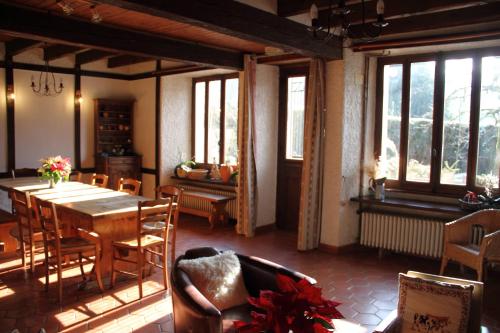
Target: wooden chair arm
[[389, 324], [91, 236], [459, 231], [490, 245]]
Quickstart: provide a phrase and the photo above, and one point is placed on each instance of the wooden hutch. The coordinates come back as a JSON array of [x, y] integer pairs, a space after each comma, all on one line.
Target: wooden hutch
[[113, 127]]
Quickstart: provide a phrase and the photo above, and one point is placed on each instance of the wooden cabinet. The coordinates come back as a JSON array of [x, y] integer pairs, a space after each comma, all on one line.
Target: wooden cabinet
[[113, 130], [117, 167]]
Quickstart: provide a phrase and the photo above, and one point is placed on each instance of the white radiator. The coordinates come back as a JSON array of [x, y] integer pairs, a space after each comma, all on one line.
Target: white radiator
[[231, 207], [419, 236]]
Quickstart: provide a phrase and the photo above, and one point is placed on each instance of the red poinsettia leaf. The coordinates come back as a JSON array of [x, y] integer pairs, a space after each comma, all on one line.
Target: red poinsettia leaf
[[285, 284], [318, 328], [312, 294]]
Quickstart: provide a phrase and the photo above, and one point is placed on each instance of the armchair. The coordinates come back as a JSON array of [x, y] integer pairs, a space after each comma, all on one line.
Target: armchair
[[457, 241], [194, 313], [391, 324]]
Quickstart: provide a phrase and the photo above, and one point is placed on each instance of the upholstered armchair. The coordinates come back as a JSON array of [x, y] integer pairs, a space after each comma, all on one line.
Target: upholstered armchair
[[393, 322], [457, 241], [192, 310]]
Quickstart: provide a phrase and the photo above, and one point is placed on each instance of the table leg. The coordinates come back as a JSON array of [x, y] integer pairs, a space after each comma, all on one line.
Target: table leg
[[218, 213]]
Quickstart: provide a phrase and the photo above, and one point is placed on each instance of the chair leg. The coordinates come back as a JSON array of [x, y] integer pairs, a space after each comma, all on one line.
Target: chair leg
[[139, 270], [80, 261], [32, 255], [23, 248], [479, 271], [166, 281], [444, 262], [113, 272], [46, 269], [59, 279], [97, 266]]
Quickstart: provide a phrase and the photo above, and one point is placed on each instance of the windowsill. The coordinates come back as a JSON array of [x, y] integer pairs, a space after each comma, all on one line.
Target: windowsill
[[205, 181]]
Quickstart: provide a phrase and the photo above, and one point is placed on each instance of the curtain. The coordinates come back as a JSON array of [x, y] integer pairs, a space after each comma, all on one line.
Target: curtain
[[247, 179], [312, 169]]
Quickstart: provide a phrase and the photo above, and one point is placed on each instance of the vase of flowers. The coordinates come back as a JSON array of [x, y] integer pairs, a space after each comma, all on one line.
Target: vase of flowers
[[296, 307], [55, 169], [377, 176]]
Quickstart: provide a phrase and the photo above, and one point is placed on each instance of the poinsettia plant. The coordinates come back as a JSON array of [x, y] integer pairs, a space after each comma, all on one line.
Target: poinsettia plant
[[297, 307], [55, 168]]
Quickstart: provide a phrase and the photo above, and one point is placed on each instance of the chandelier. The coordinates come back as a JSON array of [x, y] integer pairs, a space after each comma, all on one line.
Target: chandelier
[[68, 9], [338, 22], [46, 85]]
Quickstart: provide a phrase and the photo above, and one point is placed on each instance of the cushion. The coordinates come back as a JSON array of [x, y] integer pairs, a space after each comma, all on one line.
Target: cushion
[[218, 278], [432, 306]]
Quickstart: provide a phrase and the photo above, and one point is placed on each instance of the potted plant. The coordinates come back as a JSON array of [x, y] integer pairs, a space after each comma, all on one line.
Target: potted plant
[[377, 174]]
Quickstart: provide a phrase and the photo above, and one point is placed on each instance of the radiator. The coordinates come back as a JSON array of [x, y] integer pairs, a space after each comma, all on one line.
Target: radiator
[[231, 207], [419, 236]]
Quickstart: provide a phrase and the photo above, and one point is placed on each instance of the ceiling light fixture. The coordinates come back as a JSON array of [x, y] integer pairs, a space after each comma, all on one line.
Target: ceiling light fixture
[[65, 6], [46, 85], [339, 22], [96, 17]]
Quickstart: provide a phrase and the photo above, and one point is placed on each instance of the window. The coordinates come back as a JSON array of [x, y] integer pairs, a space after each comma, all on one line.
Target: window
[[296, 99], [438, 121], [215, 123]]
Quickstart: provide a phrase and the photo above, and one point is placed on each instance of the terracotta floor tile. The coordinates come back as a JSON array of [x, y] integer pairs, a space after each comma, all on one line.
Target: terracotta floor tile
[[366, 286]]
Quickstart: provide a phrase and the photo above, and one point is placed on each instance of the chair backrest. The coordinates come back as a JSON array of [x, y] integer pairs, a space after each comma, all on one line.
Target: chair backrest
[[75, 176], [99, 180], [477, 296], [173, 192], [50, 223], [21, 202], [153, 215], [129, 185]]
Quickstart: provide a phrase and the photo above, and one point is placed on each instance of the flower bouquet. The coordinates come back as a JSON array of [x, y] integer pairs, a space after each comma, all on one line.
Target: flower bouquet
[[297, 307], [55, 169]]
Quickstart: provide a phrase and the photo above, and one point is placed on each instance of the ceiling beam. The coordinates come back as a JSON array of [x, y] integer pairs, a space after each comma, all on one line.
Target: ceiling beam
[[38, 25], [446, 19], [239, 20], [58, 51], [19, 45], [125, 60], [85, 57], [398, 9], [297, 7]]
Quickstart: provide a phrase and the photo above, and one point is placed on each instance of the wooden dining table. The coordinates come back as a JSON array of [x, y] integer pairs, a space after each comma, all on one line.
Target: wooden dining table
[[109, 213]]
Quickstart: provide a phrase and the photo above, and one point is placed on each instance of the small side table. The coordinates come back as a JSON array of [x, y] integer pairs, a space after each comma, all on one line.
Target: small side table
[[217, 201]]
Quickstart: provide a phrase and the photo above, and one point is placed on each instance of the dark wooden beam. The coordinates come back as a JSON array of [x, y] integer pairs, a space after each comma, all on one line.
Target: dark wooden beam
[[125, 60], [169, 71], [397, 9], [27, 23], [157, 124], [445, 19], [85, 57], [10, 103], [238, 20], [58, 51], [427, 41], [16, 46], [78, 87], [296, 7]]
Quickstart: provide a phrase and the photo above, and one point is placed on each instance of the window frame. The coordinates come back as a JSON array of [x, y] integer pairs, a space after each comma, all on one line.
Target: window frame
[[433, 186], [207, 79]]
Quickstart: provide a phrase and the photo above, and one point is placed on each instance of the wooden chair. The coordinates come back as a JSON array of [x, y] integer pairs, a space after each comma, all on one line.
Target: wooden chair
[[99, 180], [458, 245], [175, 193], [75, 176], [28, 231], [150, 213], [129, 185], [391, 323], [58, 247]]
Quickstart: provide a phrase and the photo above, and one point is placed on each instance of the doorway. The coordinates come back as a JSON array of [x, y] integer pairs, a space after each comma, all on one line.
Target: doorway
[[293, 83]]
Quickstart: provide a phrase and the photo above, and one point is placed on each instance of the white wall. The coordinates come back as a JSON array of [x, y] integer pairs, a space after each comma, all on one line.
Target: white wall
[[175, 122], [266, 123], [44, 126]]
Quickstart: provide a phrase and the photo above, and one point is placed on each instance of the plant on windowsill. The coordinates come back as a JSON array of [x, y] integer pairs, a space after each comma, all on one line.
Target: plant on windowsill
[[297, 307], [471, 201], [55, 169], [377, 174]]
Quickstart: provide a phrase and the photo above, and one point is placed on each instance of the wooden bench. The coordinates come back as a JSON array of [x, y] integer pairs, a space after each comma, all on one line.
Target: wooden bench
[[217, 201], [8, 244]]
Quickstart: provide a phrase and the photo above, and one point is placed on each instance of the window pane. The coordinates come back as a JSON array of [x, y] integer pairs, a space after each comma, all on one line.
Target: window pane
[[231, 122], [199, 124], [488, 160], [420, 122], [214, 92], [391, 119], [295, 117], [456, 118]]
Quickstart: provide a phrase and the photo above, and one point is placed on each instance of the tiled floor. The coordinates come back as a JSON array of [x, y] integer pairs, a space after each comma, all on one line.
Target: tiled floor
[[365, 285]]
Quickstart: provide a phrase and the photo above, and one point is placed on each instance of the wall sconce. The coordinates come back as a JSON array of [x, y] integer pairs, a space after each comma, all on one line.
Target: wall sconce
[[78, 97], [11, 96]]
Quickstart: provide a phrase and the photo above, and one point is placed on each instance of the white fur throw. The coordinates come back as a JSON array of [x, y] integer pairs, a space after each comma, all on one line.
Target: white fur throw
[[218, 278]]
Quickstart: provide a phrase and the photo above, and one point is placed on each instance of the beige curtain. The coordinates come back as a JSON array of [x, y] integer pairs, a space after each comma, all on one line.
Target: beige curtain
[[312, 169], [247, 183]]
